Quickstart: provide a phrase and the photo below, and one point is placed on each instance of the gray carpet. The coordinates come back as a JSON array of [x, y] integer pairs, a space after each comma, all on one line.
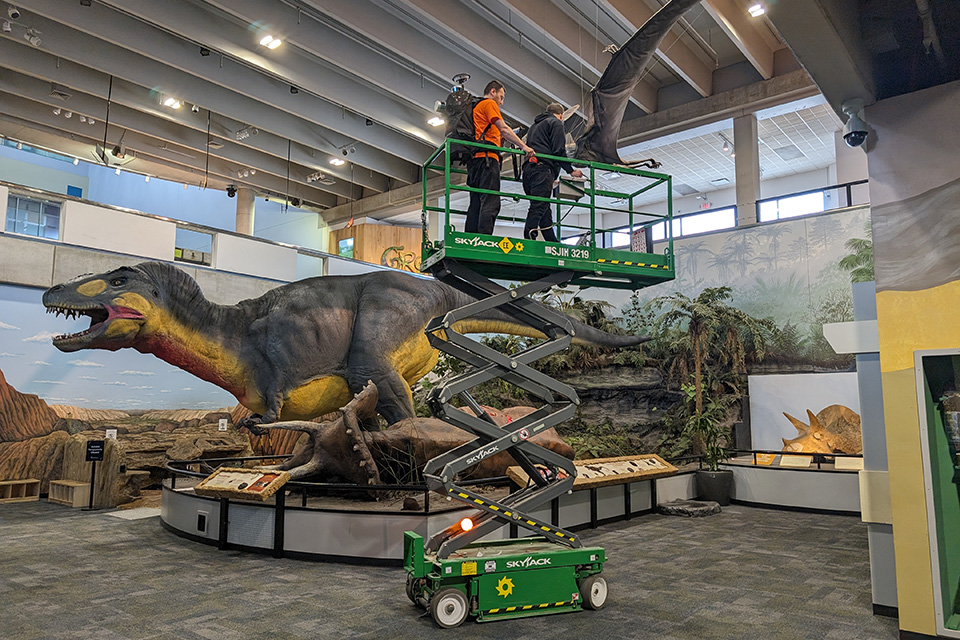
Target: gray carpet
[[745, 573]]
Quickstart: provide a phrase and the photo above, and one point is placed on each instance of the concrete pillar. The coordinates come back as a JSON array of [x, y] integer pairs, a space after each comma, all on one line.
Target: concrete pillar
[[747, 168], [245, 206]]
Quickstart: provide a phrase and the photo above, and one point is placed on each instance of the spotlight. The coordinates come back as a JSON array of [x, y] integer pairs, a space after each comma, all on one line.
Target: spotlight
[[757, 10], [68, 114], [83, 119], [337, 162], [253, 172], [294, 202], [117, 172], [466, 524], [270, 42], [76, 161], [56, 111], [33, 37], [146, 178], [204, 51], [6, 26], [13, 12], [436, 121], [19, 146], [91, 120], [726, 147], [246, 132], [369, 122], [231, 191], [195, 109], [293, 89], [344, 151], [171, 102]]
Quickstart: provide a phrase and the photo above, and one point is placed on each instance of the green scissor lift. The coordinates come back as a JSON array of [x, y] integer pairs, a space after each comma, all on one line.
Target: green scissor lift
[[452, 575]]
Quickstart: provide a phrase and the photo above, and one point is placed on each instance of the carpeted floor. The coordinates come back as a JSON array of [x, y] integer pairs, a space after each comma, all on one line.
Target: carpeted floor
[[742, 574]]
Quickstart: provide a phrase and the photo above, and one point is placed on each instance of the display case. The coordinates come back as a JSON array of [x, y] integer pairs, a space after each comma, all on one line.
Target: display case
[[938, 389]]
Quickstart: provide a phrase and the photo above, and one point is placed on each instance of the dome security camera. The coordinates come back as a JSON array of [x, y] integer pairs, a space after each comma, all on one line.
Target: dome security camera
[[13, 13], [855, 130]]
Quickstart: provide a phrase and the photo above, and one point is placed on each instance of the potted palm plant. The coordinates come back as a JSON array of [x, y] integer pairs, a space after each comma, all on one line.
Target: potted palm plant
[[710, 339]]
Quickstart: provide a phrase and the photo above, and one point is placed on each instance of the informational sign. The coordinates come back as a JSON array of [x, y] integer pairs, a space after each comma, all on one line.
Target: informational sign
[[251, 484], [111, 434], [222, 424], [800, 462], [95, 450], [848, 464], [766, 459], [601, 472]]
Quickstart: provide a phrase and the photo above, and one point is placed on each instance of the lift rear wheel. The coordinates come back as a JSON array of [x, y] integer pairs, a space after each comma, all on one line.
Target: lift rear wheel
[[449, 607], [411, 591], [593, 591]]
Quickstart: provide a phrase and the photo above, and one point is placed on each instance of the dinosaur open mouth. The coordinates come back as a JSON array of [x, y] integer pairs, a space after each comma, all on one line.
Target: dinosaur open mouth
[[100, 316]]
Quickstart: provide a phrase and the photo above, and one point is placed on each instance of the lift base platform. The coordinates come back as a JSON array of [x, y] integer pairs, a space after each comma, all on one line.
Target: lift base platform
[[503, 579]]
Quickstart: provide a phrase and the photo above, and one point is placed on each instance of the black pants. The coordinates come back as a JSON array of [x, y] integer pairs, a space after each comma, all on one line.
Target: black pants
[[483, 173], [538, 181]]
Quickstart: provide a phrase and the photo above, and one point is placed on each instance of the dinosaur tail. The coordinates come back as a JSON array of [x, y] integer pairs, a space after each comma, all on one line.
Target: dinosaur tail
[[584, 334]]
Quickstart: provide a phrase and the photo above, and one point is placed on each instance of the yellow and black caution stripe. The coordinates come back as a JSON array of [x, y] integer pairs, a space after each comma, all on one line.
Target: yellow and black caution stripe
[[529, 607], [498, 509], [634, 264]]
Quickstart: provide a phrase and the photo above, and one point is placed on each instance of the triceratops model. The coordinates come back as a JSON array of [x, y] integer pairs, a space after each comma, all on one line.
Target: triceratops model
[[297, 352]]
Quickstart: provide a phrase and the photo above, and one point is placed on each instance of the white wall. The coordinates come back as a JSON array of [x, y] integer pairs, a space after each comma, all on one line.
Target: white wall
[[772, 395], [97, 227], [248, 256]]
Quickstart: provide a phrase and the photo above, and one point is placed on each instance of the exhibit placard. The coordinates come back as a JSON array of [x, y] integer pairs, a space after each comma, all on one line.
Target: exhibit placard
[[799, 462], [95, 450], [601, 472], [766, 459], [249, 484]]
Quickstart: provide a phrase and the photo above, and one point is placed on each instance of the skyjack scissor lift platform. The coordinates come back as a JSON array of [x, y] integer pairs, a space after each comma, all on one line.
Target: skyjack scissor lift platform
[[453, 575]]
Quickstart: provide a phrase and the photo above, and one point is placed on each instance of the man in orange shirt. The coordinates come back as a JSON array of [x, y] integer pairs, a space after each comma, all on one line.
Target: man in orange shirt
[[483, 170]]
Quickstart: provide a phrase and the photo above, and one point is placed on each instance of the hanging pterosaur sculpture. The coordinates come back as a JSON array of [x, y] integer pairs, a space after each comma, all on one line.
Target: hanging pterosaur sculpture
[[609, 98]]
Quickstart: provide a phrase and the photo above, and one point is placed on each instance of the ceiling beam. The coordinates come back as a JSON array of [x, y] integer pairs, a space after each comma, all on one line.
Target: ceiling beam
[[744, 31], [509, 57], [39, 64], [673, 51], [150, 147], [544, 18], [264, 101], [240, 41], [826, 39], [720, 106]]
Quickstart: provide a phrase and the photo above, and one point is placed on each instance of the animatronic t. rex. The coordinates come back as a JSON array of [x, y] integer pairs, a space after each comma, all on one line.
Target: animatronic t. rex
[[298, 351]]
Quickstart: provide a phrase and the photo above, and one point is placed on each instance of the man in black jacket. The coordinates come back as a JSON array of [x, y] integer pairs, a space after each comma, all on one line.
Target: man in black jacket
[[546, 136]]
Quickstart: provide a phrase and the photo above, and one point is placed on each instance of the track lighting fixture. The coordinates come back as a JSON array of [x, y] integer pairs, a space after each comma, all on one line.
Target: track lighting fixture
[[7, 28], [19, 146], [204, 52], [270, 42], [68, 114], [146, 178], [246, 132], [33, 37], [76, 161], [727, 147], [83, 119], [56, 111], [293, 89], [117, 172], [294, 202]]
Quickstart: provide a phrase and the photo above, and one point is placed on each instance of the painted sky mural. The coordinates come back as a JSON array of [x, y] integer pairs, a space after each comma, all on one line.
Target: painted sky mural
[[123, 379]]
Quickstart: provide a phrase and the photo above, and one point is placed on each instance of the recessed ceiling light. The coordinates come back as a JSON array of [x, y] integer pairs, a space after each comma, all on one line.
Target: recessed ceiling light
[[337, 162]]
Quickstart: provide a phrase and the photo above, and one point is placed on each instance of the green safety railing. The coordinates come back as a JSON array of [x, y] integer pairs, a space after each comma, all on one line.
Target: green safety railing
[[586, 191]]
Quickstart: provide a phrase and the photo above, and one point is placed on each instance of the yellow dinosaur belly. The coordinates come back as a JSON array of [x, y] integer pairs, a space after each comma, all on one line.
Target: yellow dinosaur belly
[[316, 398]]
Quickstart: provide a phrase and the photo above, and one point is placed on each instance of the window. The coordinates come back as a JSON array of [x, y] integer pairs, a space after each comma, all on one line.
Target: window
[[345, 248], [33, 217], [694, 223], [791, 207]]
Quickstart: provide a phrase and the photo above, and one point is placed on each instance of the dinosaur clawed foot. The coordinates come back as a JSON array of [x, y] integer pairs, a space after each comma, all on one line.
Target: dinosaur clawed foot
[[253, 425]]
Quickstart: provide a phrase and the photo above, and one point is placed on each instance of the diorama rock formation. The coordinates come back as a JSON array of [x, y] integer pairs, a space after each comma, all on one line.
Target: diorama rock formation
[[23, 416], [835, 429]]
